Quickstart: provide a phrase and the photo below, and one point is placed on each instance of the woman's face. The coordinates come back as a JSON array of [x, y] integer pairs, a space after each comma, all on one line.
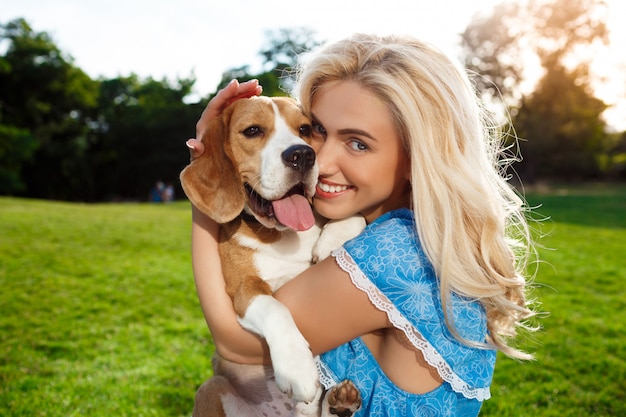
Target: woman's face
[[363, 166]]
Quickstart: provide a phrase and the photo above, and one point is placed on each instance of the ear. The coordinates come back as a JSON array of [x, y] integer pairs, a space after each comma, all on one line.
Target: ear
[[212, 182]]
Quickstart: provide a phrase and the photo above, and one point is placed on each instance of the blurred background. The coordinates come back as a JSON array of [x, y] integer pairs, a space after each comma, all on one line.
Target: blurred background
[[97, 98]]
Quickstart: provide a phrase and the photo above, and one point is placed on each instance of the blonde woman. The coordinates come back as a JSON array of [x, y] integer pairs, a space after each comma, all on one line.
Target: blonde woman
[[415, 308]]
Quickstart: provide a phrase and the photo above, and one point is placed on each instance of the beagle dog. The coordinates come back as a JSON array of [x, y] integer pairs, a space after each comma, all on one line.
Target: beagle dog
[[256, 179]]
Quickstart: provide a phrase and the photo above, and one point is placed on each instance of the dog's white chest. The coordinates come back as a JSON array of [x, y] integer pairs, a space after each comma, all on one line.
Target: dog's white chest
[[280, 261]]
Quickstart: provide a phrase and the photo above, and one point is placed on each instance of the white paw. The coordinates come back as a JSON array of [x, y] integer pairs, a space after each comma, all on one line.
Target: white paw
[[294, 367], [295, 370], [335, 233], [311, 408]]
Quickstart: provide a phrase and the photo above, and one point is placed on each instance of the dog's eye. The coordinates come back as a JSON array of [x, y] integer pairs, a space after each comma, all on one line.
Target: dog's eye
[[305, 131], [253, 132]]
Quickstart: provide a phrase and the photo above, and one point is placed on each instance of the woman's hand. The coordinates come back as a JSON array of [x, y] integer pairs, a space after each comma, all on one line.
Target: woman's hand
[[233, 91]]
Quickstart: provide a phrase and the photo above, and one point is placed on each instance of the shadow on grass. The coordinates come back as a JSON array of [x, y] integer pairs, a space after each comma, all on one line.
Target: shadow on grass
[[585, 205]]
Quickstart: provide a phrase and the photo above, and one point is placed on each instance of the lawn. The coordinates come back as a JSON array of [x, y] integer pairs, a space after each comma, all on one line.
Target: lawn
[[99, 312], [580, 367], [99, 315]]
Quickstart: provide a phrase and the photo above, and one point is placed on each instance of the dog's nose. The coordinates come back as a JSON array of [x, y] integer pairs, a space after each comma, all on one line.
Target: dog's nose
[[299, 157]]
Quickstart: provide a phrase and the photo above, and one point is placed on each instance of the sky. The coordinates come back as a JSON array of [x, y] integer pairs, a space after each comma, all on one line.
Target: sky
[[178, 39]]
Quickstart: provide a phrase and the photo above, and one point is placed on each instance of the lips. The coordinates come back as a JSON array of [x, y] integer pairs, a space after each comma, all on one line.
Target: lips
[[325, 189], [329, 188], [292, 210]]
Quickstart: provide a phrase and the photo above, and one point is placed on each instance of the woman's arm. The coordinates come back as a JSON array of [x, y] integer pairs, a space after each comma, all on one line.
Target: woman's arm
[[231, 340], [328, 308]]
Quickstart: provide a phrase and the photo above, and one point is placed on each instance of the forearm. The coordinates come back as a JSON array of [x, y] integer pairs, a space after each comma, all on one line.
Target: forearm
[[231, 340]]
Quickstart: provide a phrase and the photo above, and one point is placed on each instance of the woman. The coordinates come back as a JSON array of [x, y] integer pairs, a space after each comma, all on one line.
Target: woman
[[415, 308]]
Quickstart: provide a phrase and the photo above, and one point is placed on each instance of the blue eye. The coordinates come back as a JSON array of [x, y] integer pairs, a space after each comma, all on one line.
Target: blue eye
[[318, 129], [357, 145]]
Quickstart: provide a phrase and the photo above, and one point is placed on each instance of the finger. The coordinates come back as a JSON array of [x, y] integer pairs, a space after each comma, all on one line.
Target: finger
[[233, 91], [244, 90], [221, 100], [196, 148]]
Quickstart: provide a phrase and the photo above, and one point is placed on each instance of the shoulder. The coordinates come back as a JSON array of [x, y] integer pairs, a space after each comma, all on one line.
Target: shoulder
[[396, 219], [393, 230], [390, 247]]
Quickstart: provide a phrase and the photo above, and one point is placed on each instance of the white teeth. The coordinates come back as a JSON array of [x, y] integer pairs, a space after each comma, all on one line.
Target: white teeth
[[332, 188]]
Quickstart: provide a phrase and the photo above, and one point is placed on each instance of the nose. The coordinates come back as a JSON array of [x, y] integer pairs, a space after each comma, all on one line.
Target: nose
[[299, 157], [327, 155]]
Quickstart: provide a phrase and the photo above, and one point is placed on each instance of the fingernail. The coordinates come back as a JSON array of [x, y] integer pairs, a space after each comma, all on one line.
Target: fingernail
[[189, 145]]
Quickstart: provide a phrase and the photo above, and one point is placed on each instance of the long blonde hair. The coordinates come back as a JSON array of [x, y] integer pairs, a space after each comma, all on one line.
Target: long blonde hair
[[470, 221]]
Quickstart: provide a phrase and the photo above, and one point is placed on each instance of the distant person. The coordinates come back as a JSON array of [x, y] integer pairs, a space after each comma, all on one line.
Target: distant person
[[156, 193], [168, 193]]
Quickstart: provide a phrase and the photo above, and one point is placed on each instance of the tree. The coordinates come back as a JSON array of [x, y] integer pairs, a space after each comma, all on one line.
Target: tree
[[16, 147], [284, 46], [492, 46], [560, 122], [279, 59], [47, 102], [515, 36], [66, 136], [141, 128]]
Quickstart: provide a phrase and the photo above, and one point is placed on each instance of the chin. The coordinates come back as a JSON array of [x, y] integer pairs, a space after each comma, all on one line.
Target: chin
[[329, 212]]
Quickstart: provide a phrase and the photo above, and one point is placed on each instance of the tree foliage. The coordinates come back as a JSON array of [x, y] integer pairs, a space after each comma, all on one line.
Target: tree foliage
[[66, 136], [563, 120], [560, 121], [138, 138], [502, 45], [279, 58], [45, 105]]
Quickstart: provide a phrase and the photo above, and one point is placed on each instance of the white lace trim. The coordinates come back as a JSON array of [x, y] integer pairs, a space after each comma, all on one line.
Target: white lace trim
[[327, 377], [434, 359]]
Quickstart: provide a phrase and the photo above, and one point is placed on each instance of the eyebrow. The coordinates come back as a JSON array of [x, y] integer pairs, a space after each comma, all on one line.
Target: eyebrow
[[347, 131], [352, 131]]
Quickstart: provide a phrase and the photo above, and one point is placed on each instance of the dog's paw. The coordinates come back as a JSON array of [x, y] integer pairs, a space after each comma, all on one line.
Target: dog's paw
[[342, 400], [296, 373], [312, 408], [335, 233]]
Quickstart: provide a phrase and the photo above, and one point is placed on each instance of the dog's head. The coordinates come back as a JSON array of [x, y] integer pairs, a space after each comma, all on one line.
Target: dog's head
[[257, 158]]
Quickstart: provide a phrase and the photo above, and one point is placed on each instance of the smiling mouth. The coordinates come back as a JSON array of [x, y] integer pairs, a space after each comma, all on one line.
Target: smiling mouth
[[328, 188], [291, 210]]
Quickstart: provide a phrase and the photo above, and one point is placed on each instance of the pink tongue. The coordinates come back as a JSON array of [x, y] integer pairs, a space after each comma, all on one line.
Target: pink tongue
[[294, 212]]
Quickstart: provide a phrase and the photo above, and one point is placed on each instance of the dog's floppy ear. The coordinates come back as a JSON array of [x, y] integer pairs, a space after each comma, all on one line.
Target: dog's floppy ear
[[211, 181]]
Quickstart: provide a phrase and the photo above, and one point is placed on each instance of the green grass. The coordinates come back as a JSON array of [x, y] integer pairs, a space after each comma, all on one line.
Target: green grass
[[580, 367], [99, 315]]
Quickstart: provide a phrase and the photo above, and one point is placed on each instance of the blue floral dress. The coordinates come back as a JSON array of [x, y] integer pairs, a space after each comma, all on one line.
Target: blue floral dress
[[387, 262]]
